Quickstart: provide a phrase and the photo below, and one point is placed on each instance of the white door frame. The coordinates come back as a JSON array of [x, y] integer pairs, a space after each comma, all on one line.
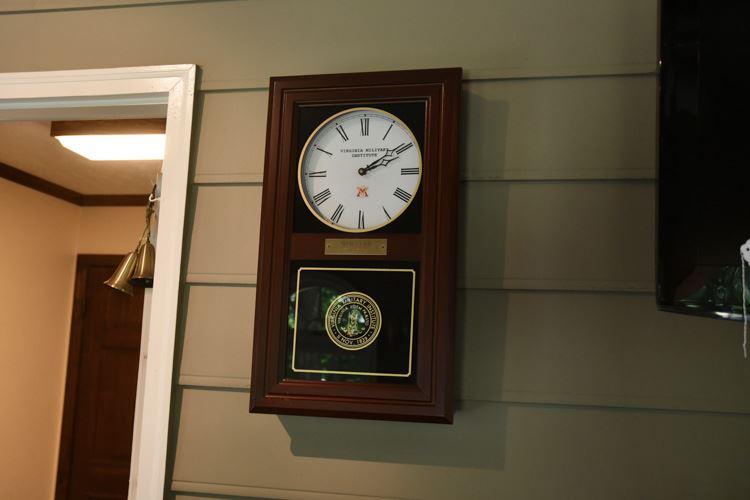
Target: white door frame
[[174, 86]]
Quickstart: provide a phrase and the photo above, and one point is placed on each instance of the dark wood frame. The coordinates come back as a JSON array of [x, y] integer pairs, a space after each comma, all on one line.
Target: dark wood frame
[[82, 200], [83, 263], [434, 248], [103, 127]]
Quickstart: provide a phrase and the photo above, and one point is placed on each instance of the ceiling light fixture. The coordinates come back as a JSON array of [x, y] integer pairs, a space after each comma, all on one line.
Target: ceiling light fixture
[[113, 140]]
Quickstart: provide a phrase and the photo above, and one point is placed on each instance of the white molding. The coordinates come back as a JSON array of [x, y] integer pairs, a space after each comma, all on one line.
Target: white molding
[[175, 86], [150, 451]]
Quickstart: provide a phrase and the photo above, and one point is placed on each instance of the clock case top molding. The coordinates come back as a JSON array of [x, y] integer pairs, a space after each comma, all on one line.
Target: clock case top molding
[[432, 245]]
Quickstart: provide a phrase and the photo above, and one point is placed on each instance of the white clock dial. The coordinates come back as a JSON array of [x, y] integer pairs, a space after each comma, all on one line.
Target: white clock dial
[[360, 169]]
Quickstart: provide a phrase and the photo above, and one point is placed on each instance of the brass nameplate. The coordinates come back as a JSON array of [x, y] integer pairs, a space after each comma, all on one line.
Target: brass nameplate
[[359, 246]]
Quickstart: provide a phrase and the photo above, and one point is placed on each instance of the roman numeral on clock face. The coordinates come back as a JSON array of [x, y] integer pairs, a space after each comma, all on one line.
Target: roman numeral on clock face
[[402, 195], [410, 171], [361, 220], [342, 132], [321, 197], [402, 148], [336, 217], [364, 124], [322, 173], [386, 213], [386, 132]]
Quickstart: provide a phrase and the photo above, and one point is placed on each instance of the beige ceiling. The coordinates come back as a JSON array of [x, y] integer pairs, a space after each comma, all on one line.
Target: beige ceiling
[[27, 146]]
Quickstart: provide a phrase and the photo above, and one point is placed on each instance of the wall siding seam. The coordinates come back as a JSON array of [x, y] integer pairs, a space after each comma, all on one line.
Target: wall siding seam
[[566, 72], [255, 491], [226, 183], [215, 381], [647, 175], [194, 278], [228, 178], [200, 382], [76, 7], [597, 291], [475, 75], [554, 285], [642, 408], [550, 400], [221, 285], [471, 283], [563, 174]]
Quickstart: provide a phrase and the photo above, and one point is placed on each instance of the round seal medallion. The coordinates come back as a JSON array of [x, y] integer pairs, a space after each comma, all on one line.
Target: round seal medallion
[[353, 321]]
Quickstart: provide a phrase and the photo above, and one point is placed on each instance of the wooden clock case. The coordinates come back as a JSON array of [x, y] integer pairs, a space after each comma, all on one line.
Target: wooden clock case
[[429, 243]]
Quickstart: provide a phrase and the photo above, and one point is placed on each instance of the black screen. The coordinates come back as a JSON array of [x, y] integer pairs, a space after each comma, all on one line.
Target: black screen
[[704, 169]]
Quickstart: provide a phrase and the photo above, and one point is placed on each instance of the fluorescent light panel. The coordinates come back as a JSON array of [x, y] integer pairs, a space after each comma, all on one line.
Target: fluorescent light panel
[[113, 140], [116, 147]]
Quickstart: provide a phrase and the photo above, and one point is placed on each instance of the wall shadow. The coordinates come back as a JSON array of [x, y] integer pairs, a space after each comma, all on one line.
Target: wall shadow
[[475, 440]]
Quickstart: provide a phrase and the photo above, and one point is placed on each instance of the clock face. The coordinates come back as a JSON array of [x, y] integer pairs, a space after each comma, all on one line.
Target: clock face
[[360, 170]]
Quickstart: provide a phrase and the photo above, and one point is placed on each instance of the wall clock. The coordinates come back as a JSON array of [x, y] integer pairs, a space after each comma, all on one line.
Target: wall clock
[[356, 276], [370, 181]]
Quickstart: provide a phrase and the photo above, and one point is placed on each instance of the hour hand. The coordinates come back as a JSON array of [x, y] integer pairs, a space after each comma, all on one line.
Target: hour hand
[[370, 166]]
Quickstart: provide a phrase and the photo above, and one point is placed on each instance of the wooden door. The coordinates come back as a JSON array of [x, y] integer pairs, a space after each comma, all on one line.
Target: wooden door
[[101, 385]]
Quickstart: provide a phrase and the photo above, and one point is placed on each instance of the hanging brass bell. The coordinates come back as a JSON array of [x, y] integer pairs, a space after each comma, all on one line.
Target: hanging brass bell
[[120, 280], [143, 275]]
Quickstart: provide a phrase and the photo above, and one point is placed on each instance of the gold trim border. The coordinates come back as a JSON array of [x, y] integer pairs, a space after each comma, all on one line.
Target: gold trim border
[[366, 269], [315, 133]]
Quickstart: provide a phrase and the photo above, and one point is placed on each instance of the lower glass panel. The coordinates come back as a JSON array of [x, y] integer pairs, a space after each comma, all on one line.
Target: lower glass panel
[[353, 324]]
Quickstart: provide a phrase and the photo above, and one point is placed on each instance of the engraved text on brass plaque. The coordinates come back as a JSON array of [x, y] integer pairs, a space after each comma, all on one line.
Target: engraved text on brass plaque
[[358, 246]]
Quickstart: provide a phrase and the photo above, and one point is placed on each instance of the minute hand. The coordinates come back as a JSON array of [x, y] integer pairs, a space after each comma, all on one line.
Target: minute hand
[[388, 157]]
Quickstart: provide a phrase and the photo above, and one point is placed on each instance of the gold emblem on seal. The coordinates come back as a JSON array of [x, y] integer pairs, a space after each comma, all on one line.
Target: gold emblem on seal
[[353, 321]]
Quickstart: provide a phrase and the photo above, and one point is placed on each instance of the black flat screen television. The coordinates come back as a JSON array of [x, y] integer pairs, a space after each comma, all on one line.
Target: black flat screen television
[[704, 156]]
